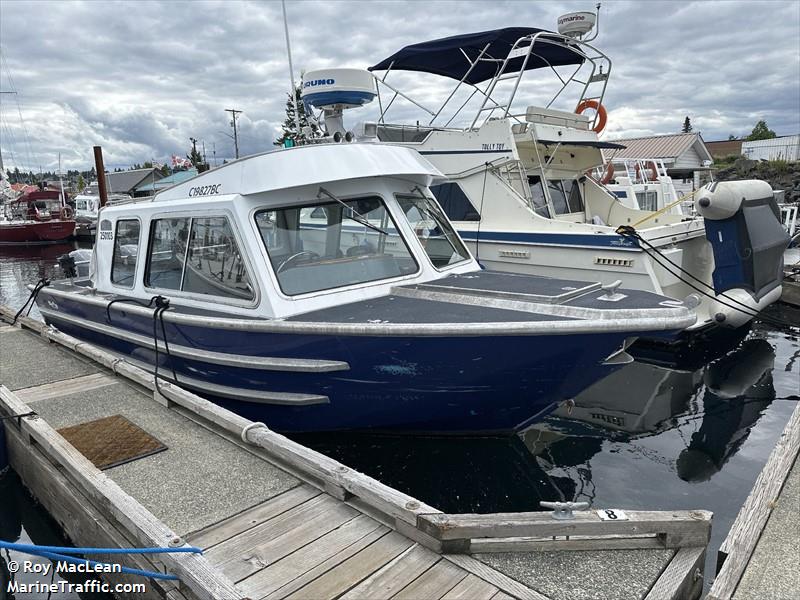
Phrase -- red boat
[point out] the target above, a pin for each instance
(35, 218)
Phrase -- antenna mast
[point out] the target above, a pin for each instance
(291, 69)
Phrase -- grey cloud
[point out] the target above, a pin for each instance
(140, 78)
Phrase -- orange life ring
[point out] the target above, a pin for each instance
(602, 116)
(650, 170)
(66, 213)
(608, 174)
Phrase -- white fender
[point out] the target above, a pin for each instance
(722, 199)
(727, 316)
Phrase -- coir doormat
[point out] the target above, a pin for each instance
(111, 441)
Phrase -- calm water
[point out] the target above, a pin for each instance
(647, 437)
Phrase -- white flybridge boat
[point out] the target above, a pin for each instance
(644, 184)
(518, 189)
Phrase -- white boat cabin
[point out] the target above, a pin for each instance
(283, 233)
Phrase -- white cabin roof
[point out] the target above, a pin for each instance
(316, 164)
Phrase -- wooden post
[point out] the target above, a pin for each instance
(101, 175)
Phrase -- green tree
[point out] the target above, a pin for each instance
(81, 183)
(289, 127)
(732, 137)
(197, 158)
(687, 125)
(761, 132)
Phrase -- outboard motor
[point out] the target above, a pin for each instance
(743, 225)
(67, 264)
(77, 263)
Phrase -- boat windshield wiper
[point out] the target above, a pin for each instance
(354, 215)
(432, 212)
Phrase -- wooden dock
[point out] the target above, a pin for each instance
(791, 278)
(760, 557)
(278, 520)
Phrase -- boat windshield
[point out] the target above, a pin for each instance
(433, 230)
(327, 245)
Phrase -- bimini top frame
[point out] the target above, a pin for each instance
(492, 57)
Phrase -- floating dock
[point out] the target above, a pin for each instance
(760, 557)
(791, 279)
(278, 520)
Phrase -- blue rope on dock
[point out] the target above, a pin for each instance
(25, 548)
(94, 563)
(61, 553)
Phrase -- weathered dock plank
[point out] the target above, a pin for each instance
(57, 389)
(355, 569)
(247, 519)
(737, 548)
(305, 560)
(503, 582)
(682, 577)
(774, 567)
(433, 583)
(243, 555)
(676, 528)
(394, 576)
(469, 588)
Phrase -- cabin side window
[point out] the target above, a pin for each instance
(126, 251)
(648, 200)
(214, 264)
(454, 202)
(434, 231)
(198, 256)
(537, 196)
(565, 194)
(168, 243)
(572, 191)
(327, 245)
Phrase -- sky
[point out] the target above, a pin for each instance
(141, 78)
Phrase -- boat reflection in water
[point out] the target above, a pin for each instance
(727, 397)
(738, 389)
(696, 419)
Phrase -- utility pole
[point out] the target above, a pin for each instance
(214, 152)
(234, 116)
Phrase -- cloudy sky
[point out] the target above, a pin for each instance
(140, 78)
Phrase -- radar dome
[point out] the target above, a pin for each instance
(344, 88)
(576, 24)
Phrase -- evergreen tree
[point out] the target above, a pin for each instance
(687, 125)
(289, 127)
(761, 132)
(81, 182)
(196, 158)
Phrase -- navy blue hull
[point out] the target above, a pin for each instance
(442, 384)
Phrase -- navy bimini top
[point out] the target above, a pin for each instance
(446, 56)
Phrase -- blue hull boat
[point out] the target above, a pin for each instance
(320, 328)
